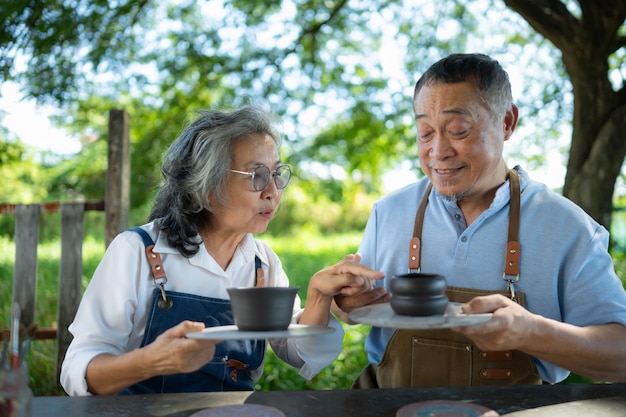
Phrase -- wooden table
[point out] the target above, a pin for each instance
(361, 403)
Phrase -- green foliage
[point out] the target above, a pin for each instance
(11, 152)
(339, 73)
(340, 374)
(304, 253)
(62, 37)
(81, 177)
(22, 177)
(321, 206)
(360, 141)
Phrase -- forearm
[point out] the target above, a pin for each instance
(109, 374)
(596, 352)
(316, 310)
(311, 354)
(347, 278)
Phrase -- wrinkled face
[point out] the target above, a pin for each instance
(248, 210)
(460, 141)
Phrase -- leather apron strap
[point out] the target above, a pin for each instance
(429, 358)
(512, 255)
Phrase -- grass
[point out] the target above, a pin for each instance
(43, 352)
(302, 256)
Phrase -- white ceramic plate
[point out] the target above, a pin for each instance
(382, 315)
(231, 332)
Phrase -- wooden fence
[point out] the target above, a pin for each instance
(27, 216)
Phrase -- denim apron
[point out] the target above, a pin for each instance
(442, 357)
(229, 370)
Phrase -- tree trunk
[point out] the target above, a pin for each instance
(599, 120)
(597, 151)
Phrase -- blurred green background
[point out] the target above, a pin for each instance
(302, 256)
(340, 76)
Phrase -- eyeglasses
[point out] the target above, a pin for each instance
(261, 176)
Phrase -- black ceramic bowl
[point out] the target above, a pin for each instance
(417, 284)
(419, 306)
(418, 294)
(262, 308)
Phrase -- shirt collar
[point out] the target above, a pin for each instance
(247, 249)
(503, 193)
(250, 248)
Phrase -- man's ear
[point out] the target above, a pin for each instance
(510, 121)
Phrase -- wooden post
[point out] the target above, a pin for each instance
(25, 270)
(70, 274)
(117, 194)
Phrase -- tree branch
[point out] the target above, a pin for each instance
(548, 17)
(314, 29)
(603, 16)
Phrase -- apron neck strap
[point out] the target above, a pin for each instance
(511, 267)
(258, 270)
(415, 245)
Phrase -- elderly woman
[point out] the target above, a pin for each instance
(223, 181)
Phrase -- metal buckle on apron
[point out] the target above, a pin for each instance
(156, 266)
(158, 273)
(165, 302)
(510, 287)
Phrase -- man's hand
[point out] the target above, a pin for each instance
(510, 327)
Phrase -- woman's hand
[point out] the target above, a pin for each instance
(346, 278)
(343, 304)
(170, 353)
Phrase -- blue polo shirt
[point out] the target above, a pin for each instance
(566, 271)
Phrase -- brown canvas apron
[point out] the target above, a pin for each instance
(441, 357)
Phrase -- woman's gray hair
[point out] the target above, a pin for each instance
(195, 167)
(491, 79)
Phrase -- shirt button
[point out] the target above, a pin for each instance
(464, 239)
(457, 216)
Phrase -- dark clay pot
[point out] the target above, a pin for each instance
(418, 284)
(418, 294)
(262, 308)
